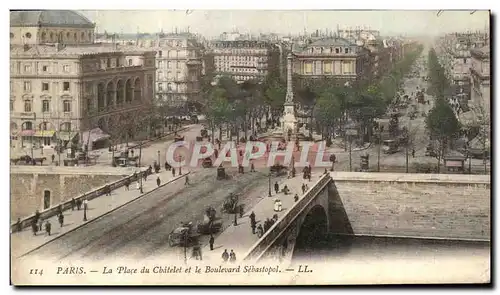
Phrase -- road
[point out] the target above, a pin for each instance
(140, 229)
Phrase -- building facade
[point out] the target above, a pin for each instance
(179, 64)
(60, 92)
(244, 60)
(335, 59)
(480, 80)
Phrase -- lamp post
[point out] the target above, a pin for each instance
(350, 131)
(158, 157)
(85, 210)
(140, 175)
(269, 194)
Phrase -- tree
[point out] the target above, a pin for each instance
(481, 122)
(327, 112)
(274, 95)
(443, 126)
(218, 110)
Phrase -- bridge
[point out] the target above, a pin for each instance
(452, 207)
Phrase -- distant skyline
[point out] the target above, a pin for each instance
(212, 23)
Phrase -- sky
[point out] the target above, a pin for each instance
(214, 22)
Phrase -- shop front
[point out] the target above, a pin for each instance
(45, 138)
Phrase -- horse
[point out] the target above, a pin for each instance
(36, 160)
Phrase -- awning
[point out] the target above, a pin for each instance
(45, 133)
(27, 133)
(66, 135)
(94, 135)
(454, 163)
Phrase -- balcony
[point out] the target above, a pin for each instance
(122, 69)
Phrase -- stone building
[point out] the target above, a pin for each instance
(179, 64)
(480, 79)
(244, 60)
(335, 59)
(68, 86)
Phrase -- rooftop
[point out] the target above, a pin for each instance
(49, 18)
(71, 50)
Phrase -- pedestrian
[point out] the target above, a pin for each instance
(241, 210)
(166, 166)
(108, 190)
(34, 227)
(173, 171)
(78, 204)
(127, 184)
(260, 231)
(253, 225)
(252, 217)
(276, 187)
(53, 158)
(158, 181)
(37, 216)
(303, 188)
(187, 180)
(18, 227)
(252, 167)
(307, 187)
(61, 219)
(232, 256)
(225, 255)
(413, 152)
(211, 242)
(145, 175)
(285, 189)
(296, 198)
(138, 186)
(73, 204)
(48, 227)
(59, 209)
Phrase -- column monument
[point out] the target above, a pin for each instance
(288, 121)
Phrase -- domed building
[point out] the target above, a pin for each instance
(65, 88)
(50, 26)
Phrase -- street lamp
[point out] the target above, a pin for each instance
(350, 131)
(85, 210)
(269, 194)
(158, 157)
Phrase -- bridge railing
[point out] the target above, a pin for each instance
(49, 212)
(268, 239)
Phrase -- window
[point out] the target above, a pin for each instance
(67, 35)
(66, 86)
(28, 35)
(108, 63)
(337, 50)
(27, 68)
(66, 68)
(82, 36)
(160, 87)
(327, 67)
(129, 62)
(45, 106)
(169, 64)
(66, 106)
(346, 50)
(45, 86)
(66, 126)
(178, 75)
(27, 86)
(308, 67)
(160, 64)
(51, 36)
(160, 53)
(44, 126)
(178, 65)
(74, 36)
(465, 60)
(45, 68)
(11, 35)
(27, 106)
(27, 126)
(11, 105)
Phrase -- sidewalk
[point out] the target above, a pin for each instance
(24, 241)
(240, 238)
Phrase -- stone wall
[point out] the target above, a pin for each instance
(27, 189)
(421, 209)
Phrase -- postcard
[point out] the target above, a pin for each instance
(207, 147)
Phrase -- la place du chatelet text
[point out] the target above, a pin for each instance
(222, 269)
